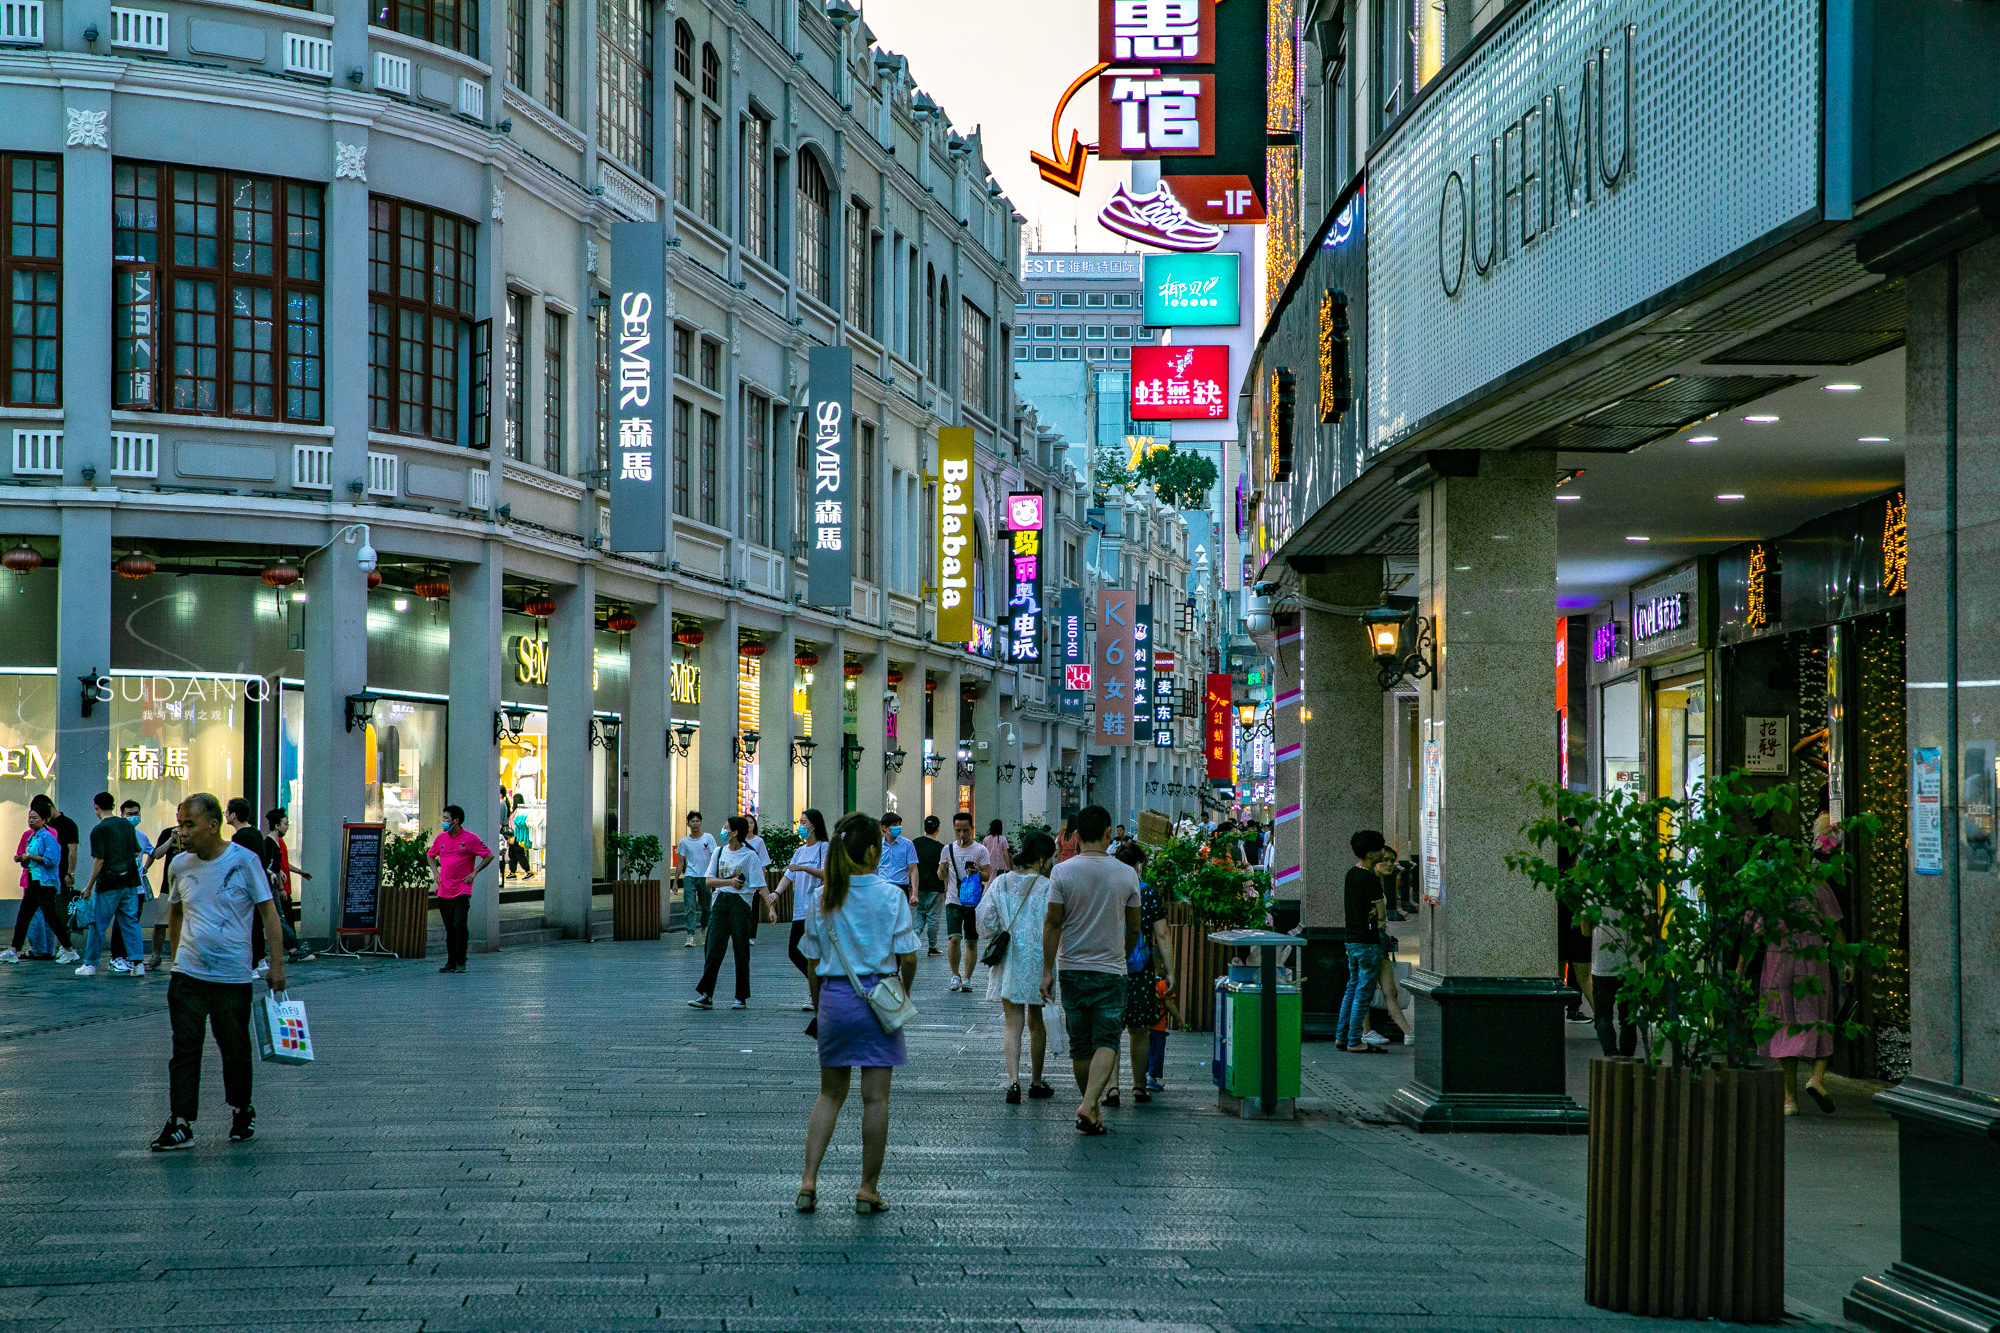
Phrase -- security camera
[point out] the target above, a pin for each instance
(892, 702)
(365, 557)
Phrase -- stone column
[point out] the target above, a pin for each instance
(472, 758)
(986, 761)
(774, 751)
(908, 782)
(642, 741)
(719, 704)
(1287, 734)
(1948, 1109)
(944, 744)
(871, 725)
(571, 794)
(825, 696)
(83, 648)
(1340, 773)
(1489, 1026)
(331, 756)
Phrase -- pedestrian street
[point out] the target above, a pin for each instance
(554, 1140)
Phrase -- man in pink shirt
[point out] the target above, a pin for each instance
(460, 857)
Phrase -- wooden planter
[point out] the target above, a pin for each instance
(1687, 1192)
(403, 920)
(1197, 963)
(635, 909)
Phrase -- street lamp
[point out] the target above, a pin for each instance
(932, 763)
(1386, 627)
(361, 708)
(744, 747)
(802, 751)
(679, 739)
(1006, 772)
(892, 762)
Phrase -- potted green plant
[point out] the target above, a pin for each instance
(1206, 889)
(635, 894)
(1687, 1147)
(403, 915)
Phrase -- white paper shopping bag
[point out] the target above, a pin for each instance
(280, 1027)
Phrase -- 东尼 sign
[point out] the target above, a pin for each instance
(1193, 290)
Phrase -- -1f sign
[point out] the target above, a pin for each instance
(954, 526)
(829, 567)
(639, 389)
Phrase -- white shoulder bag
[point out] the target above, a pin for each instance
(892, 1004)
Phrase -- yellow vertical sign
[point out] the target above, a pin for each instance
(954, 534)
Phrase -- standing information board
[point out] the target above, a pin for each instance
(360, 878)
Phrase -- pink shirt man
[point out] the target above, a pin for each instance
(457, 852)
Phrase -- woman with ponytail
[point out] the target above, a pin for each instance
(807, 870)
(860, 925)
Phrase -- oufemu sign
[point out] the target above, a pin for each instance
(829, 558)
(954, 526)
(639, 389)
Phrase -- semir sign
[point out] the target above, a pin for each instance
(955, 534)
(829, 573)
(1661, 615)
(638, 481)
(1535, 169)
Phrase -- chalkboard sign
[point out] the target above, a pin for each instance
(361, 878)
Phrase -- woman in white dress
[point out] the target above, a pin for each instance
(805, 874)
(1018, 903)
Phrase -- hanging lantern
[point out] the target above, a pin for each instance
(930, 686)
(689, 638)
(23, 559)
(895, 676)
(852, 669)
(433, 588)
(752, 649)
(805, 659)
(374, 579)
(137, 565)
(621, 621)
(541, 608)
(281, 574)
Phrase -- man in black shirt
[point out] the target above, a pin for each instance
(113, 889)
(929, 897)
(1364, 910)
(241, 821)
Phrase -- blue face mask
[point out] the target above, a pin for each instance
(805, 829)
(134, 819)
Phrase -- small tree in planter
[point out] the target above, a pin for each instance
(1218, 893)
(403, 917)
(1690, 1138)
(635, 894)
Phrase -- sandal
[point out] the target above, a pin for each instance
(1142, 1096)
(1013, 1094)
(1040, 1091)
(1825, 1102)
(1111, 1098)
(808, 1201)
(862, 1205)
(1091, 1127)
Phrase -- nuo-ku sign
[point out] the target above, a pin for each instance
(829, 564)
(638, 476)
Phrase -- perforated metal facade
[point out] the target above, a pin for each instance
(1724, 150)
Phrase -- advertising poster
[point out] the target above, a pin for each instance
(954, 534)
(638, 472)
(1767, 745)
(1024, 598)
(1216, 720)
(1142, 673)
(1193, 290)
(1180, 383)
(1117, 613)
(1926, 809)
(1433, 842)
(829, 567)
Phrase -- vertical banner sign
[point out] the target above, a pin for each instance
(1562, 701)
(1162, 721)
(1432, 850)
(1927, 810)
(829, 567)
(1215, 720)
(1142, 674)
(1116, 613)
(1075, 666)
(1024, 600)
(639, 474)
(954, 539)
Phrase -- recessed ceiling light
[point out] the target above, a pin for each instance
(402, 603)
(1762, 419)
(1701, 439)
(1729, 497)
(1638, 539)
(1563, 499)
(1873, 439)
(1841, 388)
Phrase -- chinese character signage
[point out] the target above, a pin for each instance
(1180, 383)
(1767, 745)
(1142, 674)
(954, 544)
(1161, 719)
(1117, 613)
(1024, 605)
(638, 472)
(1156, 32)
(829, 570)
(1155, 115)
(1193, 290)
(1076, 668)
(1216, 722)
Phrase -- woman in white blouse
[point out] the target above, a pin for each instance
(860, 930)
(1018, 903)
(807, 869)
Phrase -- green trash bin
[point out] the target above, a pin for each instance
(1241, 1027)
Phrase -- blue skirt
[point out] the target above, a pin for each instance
(848, 1032)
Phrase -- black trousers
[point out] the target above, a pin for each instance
(799, 960)
(225, 1009)
(46, 897)
(456, 912)
(1604, 992)
(728, 926)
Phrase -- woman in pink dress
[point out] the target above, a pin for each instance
(1783, 970)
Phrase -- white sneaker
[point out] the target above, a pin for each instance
(87, 970)
(690, 941)
(9, 956)
(740, 1004)
(138, 969)
(1373, 1038)
(120, 965)
(68, 956)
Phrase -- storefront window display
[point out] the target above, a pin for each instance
(403, 767)
(524, 790)
(28, 702)
(174, 734)
(1680, 735)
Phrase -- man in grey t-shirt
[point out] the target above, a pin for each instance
(215, 888)
(1092, 926)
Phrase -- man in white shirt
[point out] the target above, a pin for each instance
(1090, 931)
(695, 854)
(216, 888)
(964, 862)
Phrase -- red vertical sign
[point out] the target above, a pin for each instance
(1117, 610)
(1215, 725)
(1562, 701)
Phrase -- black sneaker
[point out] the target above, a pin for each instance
(701, 1002)
(937, 953)
(240, 1124)
(177, 1135)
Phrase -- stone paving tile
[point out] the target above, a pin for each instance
(554, 1141)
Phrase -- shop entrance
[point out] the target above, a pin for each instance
(1680, 735)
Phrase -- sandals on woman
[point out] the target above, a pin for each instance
(862, 1205)
(808, 1201)
(1085, 1125)
(1111, 1098)
(1824, 1102)
(1040, 1091)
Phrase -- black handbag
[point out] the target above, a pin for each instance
(996, 948)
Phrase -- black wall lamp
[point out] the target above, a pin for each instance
(744, 747)
(1387, 627)
(679, 739)
(93, 686)
(604, 732)
(1028, 775)
(892, 762)
(802, 751)
(508, 722)
(1006, 772)
(361, 708)
(932, 763)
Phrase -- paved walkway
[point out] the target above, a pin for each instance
(555, 1141)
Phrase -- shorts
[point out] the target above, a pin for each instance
(961, 921)
(1093, 1011)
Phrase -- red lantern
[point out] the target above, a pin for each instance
(22, 559)
(281, 574)
(541, 608)
(930, 686)
(374, 579)
(895, 676)
(689, 638)
(621, 622)
(137, 565)
(432, 588)
(852, 669)
(805, 659)
(752, 649)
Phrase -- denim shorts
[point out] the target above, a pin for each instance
(1093, 1011)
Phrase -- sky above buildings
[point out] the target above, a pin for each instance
(1001, 67)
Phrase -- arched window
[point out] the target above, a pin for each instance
(711, 73)
(711, 138)
(815, 201)
(684, 50)
(930, 321)
(941, 339)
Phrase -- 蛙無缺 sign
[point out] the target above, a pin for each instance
(829, 569)
(1180, 383)
(638, 475)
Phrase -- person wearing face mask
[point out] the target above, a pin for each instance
(805, 874)
(460, 857)
(899, 854)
